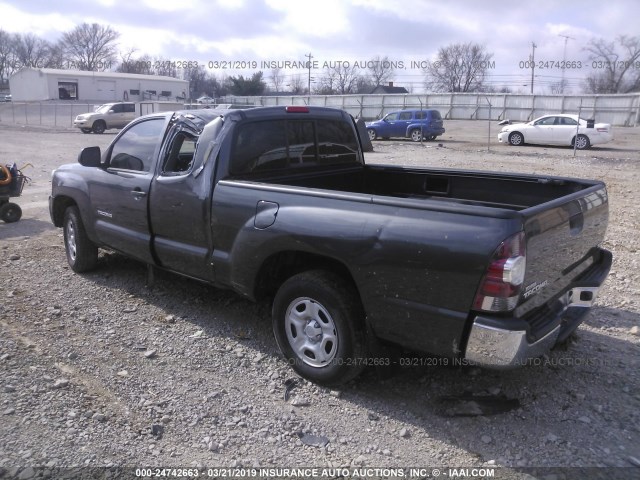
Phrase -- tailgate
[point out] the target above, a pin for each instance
(562, 236)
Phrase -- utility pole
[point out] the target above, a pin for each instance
(309, 65)
(533, 63)
(564, 59)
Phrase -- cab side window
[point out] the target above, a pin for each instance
(129, 108)
(117, 108)
(405, 116)
(135, 149)
(179, 157)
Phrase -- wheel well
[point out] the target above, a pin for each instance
(60, 204)
(276, 269)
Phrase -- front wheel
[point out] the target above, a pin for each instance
(82, 254)
(372, 134)
(318, 323)
(99, 127)
(516, 138)
(10, 212)
(85, 130)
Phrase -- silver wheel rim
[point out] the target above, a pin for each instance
(415, 136)
(372, 135)
(582, 142)
(516, 139)
(71, 241)
(311, 332)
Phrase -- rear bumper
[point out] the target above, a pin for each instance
(502, 343)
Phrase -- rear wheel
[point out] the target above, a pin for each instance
(372, 134)
(10, 212)
(99, 126)
(416, 135)
(583, 142)
(516, 138)
(318, 324)
(82, 254)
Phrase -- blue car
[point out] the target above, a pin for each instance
(414, 124)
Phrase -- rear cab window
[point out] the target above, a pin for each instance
(271, 145)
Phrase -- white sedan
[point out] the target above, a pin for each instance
(557, 130)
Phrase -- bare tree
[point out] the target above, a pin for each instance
(7, 60)
(165, 68)
(380, 70)
(340, 79)
(297, 85)
(460, 67)
(364, 84)
(197, 77)
(91, 47)
(130, 64)
(31, 50)
(616, 65)
(56, 55)
(277, 79)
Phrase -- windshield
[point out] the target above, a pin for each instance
(104, 108)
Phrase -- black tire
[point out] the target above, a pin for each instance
(85, 130)
(416, 135)
(583, 142)
(329, 323)
(516, 138)
(99, 126)
(372, 134)
(10, 212)
(82, 253)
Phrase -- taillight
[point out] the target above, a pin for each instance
(602, 129)
(500, 288)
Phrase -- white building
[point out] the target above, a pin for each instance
(37, 84)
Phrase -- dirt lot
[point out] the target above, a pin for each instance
(99, 370)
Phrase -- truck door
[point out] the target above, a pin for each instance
(119, 194)
(179, 206)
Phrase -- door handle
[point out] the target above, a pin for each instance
(138, 193)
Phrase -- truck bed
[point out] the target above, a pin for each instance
(482, 189)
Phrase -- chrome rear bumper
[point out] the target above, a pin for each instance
(501, 348)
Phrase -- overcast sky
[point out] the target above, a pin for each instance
(348, 31)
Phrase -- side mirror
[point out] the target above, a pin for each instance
(90, 157)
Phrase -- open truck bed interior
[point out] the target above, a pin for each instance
(512, 192)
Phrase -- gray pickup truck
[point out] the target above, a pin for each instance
(487, 268)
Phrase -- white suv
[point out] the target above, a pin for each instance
(109, 115)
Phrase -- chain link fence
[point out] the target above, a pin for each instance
(618, 110)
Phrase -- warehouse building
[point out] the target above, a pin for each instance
(38, 84)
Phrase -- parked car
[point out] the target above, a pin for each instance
(5, 97)
(414, 124)
(109, 115)
(557, 130)
(481, 267)
(206, 100)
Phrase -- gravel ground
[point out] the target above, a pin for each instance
(100, 370)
